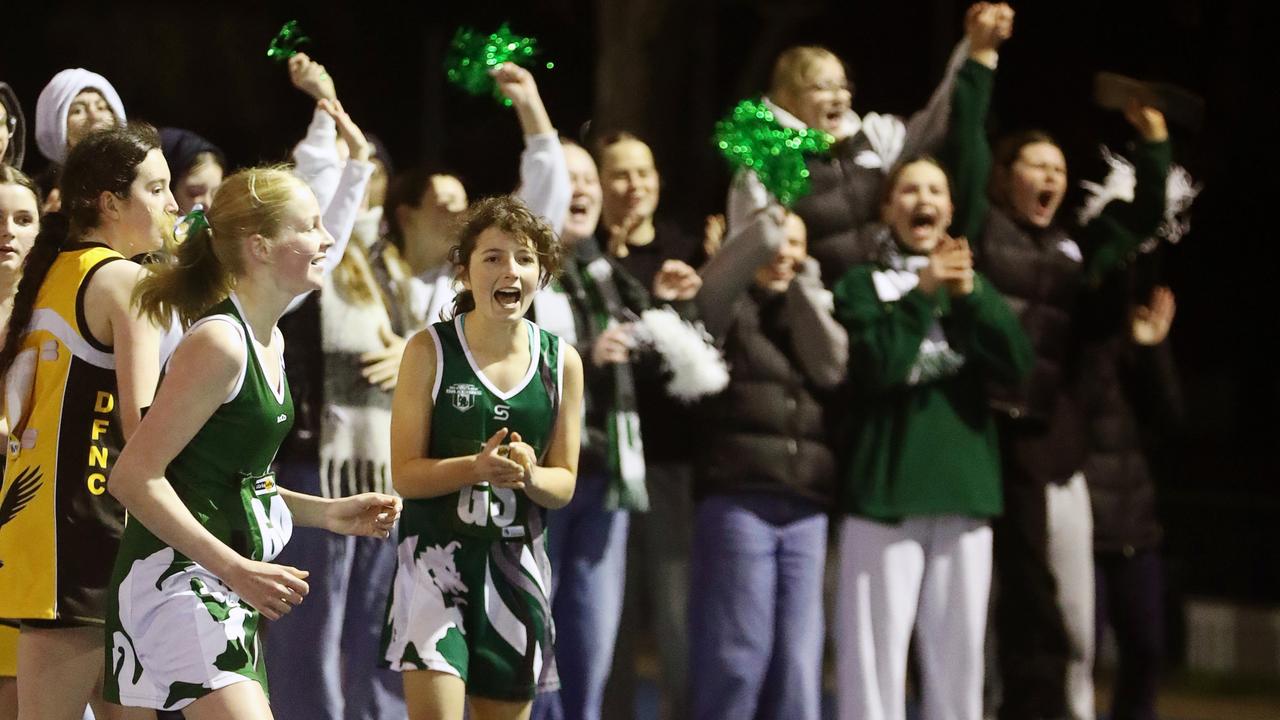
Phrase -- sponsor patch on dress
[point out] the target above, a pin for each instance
(265, 485)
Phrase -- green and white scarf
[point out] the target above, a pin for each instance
(626, 448)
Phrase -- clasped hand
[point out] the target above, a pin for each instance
(950, 266)
(507, 466)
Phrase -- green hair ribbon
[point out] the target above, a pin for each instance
(472, 55)
(285, 44)
(190, 224)
(751, 138)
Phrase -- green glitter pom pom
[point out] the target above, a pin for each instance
(285, 44)
(472, 55)
(751, 138)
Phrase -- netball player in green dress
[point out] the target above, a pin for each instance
(484, 437)
(194, 575)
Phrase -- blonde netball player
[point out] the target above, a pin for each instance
(194, 576)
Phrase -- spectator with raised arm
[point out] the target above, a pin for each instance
(339, 446)
(333, 158)
(1044, 611)
(811, 88)
(423, 204)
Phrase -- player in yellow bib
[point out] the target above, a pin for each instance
(78, 366)
(469, 615)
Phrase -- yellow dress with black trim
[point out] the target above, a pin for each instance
(59, 528)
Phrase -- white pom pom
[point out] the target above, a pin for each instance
(1119, 185)
(1180, 192)
(688, 353)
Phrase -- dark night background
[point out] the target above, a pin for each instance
(668, 69)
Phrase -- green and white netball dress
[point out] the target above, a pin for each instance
(175, 632)
(472, 590)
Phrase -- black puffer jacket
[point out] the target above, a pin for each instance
(1132, 400)
(844, 197)
(1126, 391)
(766, 431)
(1039, 273)
(1043, 273)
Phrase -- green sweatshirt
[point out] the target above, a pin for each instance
(966, 153)
(923, 441)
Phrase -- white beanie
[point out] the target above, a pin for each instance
(55, 101)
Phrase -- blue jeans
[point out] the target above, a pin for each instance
(755, 607)
(322, 657)
(588, 549)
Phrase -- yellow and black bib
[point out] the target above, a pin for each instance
(59, 528)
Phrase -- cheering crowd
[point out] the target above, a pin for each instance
(335, 429)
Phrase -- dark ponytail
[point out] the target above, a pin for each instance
(50, 241)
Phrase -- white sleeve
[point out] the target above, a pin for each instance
(340, 217)
(544, 179)
(316, 159)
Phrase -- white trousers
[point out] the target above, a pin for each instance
(932, 574)
(1070, 524)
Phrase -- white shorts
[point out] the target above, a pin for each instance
(178, 634)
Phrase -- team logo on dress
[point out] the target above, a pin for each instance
(464, 396)
(20, 493)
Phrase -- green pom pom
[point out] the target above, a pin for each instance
(751, 138)
(472, 55)
(285, 44)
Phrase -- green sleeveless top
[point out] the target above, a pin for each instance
(468, 409)
(223, 475)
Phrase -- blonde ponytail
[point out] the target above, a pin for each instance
(250, 202)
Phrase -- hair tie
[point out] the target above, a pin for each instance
(191, 224)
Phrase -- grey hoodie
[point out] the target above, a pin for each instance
(17, 149)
